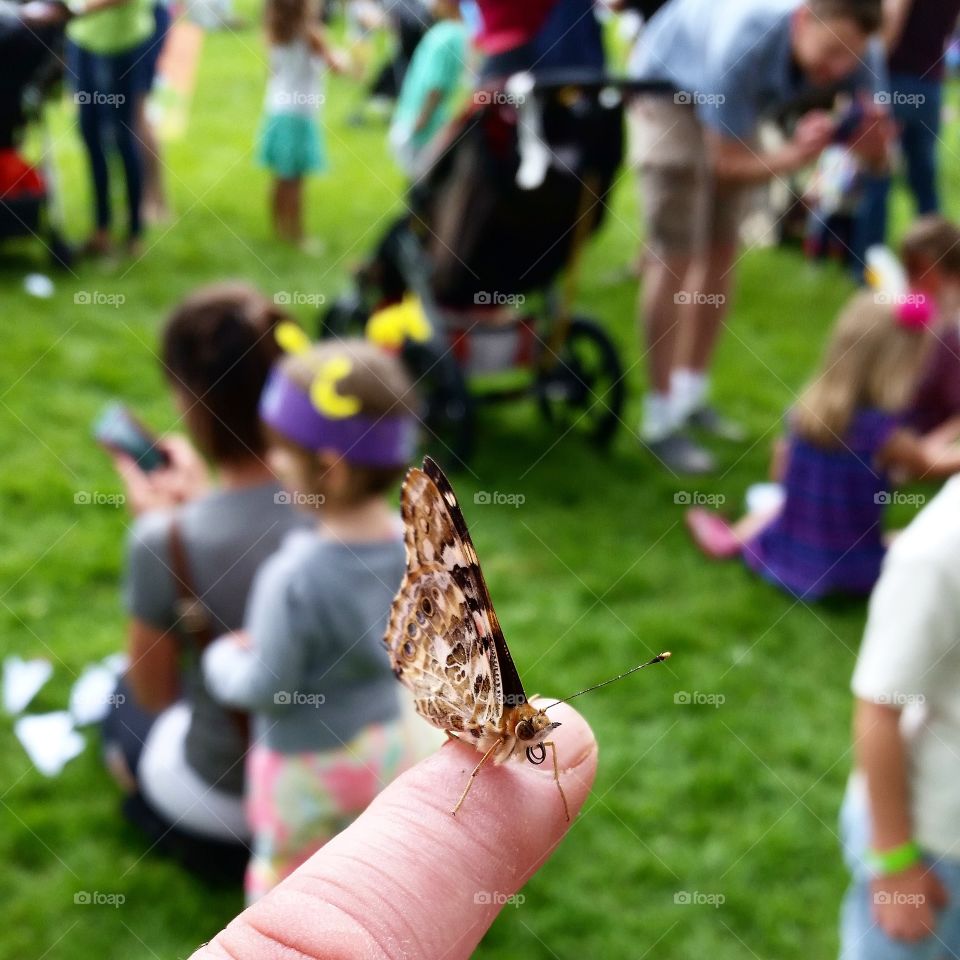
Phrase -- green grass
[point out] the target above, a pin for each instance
(592, 574)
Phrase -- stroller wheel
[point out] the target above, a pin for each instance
(449, 414)
(584, 389)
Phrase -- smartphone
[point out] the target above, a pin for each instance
(118, 430)
(849, 122)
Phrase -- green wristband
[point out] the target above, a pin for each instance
(895, 859)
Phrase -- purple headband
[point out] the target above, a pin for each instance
(362, 440)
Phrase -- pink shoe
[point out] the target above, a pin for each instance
(712, 534)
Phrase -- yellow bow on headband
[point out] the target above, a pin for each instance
(323, 389)
(392, 325)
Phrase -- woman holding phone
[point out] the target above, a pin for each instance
(191, 556)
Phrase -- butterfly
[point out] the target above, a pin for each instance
(445, 642)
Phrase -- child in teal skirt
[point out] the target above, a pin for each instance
(291, 141)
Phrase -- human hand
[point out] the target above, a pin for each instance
(407, 879)
(905, 903)
(41, 13)
(813, 132)
(184, 478)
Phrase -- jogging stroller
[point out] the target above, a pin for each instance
(31, 71)
(490, 246)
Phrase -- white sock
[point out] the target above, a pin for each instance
(688, 391)
(658, 418)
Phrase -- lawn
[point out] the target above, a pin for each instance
(720, 773)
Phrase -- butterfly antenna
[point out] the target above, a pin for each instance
(657, 659)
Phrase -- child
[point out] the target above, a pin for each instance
(430, 86)
(328, 730)
(845, 437)
(900, 823)
(930, 253)
(197, 546)
(291, 145)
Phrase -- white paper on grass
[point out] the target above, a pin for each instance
(50, 740)
(22, 681)
(93, 695)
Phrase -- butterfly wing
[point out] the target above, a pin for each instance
(444, 639)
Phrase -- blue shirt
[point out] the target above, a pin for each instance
(733, 60)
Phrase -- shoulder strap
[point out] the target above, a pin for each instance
(192, 616)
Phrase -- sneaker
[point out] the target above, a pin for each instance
(707, 419)
(712, 534)
(677, 452)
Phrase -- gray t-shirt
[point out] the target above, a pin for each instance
(226, 535)
(734, 61)
(317, 672)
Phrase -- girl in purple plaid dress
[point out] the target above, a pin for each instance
(845, 440)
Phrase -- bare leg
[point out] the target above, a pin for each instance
(288, 205)
(711, 277)
(749, 525)
(664, 281)
(476, 770)
(154, 193)
(276, 207)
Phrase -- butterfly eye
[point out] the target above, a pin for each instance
(427, 606)
(409, 650)
(524, 730)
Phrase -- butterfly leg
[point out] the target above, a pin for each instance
(463, 796)
(556, 778)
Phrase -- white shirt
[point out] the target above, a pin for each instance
(910, 657)
(296, 79)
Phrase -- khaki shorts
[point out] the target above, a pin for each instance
(685, 210)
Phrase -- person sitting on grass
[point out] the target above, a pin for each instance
(329, 731)
(430, 86)
(900, 821)
(845, 438)
(176, 751)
